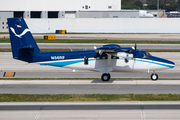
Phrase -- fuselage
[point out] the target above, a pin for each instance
(76, 60)
(145, 14)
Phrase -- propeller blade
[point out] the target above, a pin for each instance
(135, 46)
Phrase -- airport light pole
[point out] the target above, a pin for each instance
(157, 4)
(178, 5)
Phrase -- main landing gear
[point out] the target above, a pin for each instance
(105, 77)
(154, 76)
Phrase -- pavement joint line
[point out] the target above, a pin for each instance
(38, 114)
(3, 82)
(70, 82)
(142, 110)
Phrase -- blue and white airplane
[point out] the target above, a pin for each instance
(104, 59)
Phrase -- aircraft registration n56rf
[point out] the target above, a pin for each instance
(104, 59)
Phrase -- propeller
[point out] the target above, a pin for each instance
(135, 49)
(135, 46)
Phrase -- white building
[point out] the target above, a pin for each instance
(59, 5)
(51, 8)
(56, 8)
(46, 16)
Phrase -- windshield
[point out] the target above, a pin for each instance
(148, 54)
(145, 54)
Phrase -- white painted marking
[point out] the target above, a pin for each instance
(23, 33)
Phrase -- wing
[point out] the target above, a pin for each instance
(113, 50)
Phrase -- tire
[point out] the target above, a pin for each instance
(109, 76)
(154, 77)
(105, 77)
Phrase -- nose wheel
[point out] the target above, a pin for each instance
(154, 77)
(105, 77)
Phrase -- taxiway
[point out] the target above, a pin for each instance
(89, 87)
(138, 110)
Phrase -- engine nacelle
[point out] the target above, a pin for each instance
(123, 55)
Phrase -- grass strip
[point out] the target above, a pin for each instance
(4, 32)
(106, 41)
(85, 97)
(53, 50)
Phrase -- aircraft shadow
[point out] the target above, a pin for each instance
(100, 81)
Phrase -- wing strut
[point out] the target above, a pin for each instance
(109, 60)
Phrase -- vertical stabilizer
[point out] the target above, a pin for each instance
(23, 44)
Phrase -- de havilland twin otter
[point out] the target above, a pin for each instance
(105, 59)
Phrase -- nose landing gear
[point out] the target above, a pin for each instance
(154, 77)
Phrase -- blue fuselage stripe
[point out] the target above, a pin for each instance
(70, 62)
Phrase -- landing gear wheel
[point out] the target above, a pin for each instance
(109, 76)
(154, 77)
(105, 77)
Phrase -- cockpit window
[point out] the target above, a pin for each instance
(145, 54)
(142, 54)
(148, 54)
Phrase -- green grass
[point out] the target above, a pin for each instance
(4, 32)
(105, 41)
(5, 50)
(4, 40)
(84, 97)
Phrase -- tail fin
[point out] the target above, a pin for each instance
(23, 44)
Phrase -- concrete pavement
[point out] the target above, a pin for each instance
(137, 110)
(89, 87)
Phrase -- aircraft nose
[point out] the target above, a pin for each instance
(173, 64)
(168, 63)
(163, 62)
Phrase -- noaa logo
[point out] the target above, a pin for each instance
(127, 55)
(23, 33)
(57, 57)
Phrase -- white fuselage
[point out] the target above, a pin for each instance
(145, 14)
(137, 64)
